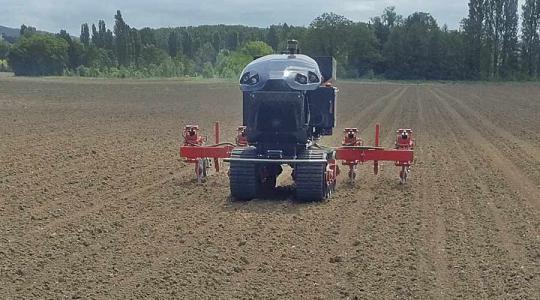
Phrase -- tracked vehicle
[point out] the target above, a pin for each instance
(289, 104)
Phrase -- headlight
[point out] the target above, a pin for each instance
(245, 78)
(249, 79)
(313, 78)
(302, 79)
(254, 79)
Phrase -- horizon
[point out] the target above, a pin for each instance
(172, 14)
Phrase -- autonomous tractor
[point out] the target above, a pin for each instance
(289, 104)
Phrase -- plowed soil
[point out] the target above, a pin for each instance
(96, 203)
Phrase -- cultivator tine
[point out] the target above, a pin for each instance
(404, 174)
(353, 152)
(200, 155)
(404, 141)
(351, 139)
(199, 170)
(352, 173)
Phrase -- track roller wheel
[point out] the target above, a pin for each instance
(310, 179)
(244, 176)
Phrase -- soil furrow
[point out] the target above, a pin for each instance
(512, 263)
(523, 154)
(126, 222)
(519, 182)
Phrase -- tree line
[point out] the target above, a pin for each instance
(487, 46)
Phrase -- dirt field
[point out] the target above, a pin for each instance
(95, 202)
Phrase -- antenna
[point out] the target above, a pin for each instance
(292, 46)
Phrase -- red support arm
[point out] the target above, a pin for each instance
(217, 134)
(363, 155)
(342, 153)
(351, 153)
(194, 152)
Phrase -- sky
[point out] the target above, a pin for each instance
(52, 16)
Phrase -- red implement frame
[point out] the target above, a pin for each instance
(216, 152)
(351, 153)
(363, 154)
(194, 150)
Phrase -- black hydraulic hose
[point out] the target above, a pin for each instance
(221, 144)
(348, 147)
(216, 145)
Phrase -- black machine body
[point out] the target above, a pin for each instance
(288, 102)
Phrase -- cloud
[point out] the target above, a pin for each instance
(69, 14)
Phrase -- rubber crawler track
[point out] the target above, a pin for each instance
(310, 178)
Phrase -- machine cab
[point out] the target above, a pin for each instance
(285, 100)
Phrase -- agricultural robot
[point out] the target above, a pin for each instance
(289, 103)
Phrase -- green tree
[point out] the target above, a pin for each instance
(151, 55)
(109, 40)
(530, 37)
(95, 37)
(4, 67)
(414, 49)
(102, 31)
(75, 50)
(136, 45)
(493, 30)
(85, 34)
(364, 52)
(272, 38)
(474, 28)
(4, 49)
(216, 41)
(27, 30)
(208, 70)
(232, 41)
(285, 35)
(207, 54)
(382, 26)
(122, 40)
(174, 43)
(486, 47)
(453, 53)
(39, 54)
(256, 49)
(187, 44)
(380, 30)
(99, 58)
(509, 54)
(326, 35)
(391, 18)
(230, 64)
(148, 36)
